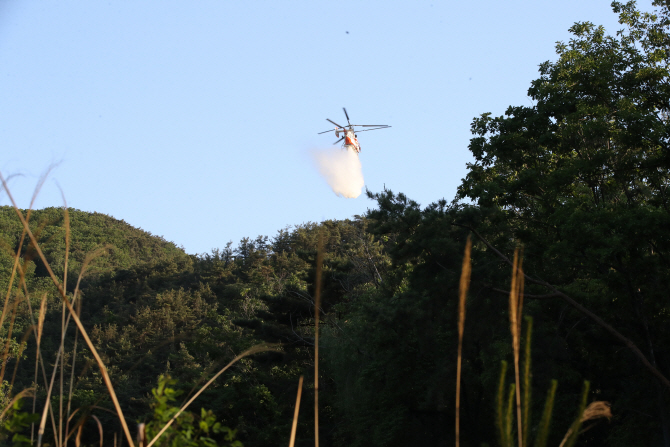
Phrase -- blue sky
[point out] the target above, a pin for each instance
(194, 120)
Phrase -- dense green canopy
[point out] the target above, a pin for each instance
(579, 180)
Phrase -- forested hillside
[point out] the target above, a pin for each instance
(578, 181)
(151, 309)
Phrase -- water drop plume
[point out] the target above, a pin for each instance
(341, 169)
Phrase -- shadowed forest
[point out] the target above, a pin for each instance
(578, 183)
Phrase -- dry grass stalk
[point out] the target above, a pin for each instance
(65, 325)
(84, 333)
(47, 404)
(77, 439)
(38, 341)
(141, 434)
(39, 360)
(82, 420)
(97, 421)
(250, 351)
(69, 433)
(66, 217)
(61, 352)
(515, 308)
(74, 358)
(463, 291)
(294, 427)
(317, 306)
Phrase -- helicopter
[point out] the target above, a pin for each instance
(349, 133)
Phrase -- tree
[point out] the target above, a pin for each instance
(581, 180)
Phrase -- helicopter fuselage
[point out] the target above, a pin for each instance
(350, 141)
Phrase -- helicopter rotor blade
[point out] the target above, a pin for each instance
(346, 114)
(334, 123)
(371, 125)
(338, 141)
(366, 130)
(326, 131)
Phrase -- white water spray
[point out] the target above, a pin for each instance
(341, 169)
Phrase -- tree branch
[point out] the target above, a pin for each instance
(525, 295)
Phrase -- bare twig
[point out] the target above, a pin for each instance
(525, 295)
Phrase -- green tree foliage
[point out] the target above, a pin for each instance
(152, 310)
(16, 425)
(187, 430)
(392, 353)
(581, 179)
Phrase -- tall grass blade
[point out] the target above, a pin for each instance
(294, 427)
(545, 422)
(500, 399)
(573, 432)
(509, 416)
(526, 379)
(463, 291)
